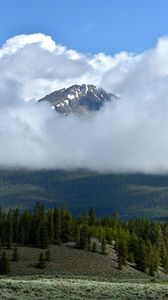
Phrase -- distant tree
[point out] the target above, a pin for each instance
(27, 228)
(91, 217)
(142, 257)
(56, 226)
(123, 250)
(164, 255)
(116, 216)
(131, 258)
(103, 247)
(156, 257)
(2, 228)
(38, 226)
(16, 216)
(94, 247)
(43, 237)
(77, 235)
(84, 233)
(4, 264)
(66, 225)
(48, 255)
(156, 233)
(133, 247)
(120, 264)
(41, 263)
(9, 228)
(15, 255)
(50, 225)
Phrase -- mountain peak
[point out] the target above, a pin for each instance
(78, 99)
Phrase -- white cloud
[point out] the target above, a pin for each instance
(130, 137)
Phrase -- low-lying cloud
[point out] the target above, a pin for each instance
(131, 136)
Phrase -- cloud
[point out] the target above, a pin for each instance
(130, 137)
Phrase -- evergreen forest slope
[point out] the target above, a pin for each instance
(132, 195)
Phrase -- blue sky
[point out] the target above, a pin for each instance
(88, 26)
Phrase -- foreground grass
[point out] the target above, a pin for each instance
(68, 288)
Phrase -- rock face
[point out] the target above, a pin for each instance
(78, 99)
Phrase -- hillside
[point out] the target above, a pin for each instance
(76, 274)
(68, 261)
(131, 195)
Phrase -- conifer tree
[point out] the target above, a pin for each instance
(26, 236)
(43, 237)
(41, 263)
(103, 247)
(142, 257)
(2, 226)
(77, 235)
(48, 255)
(91, 217)
(120, 263)
(122, 250)
(56, 226)
(15, 255)
(94, 247)
(49, 225)
(164, 255)
(9, 227)
(16, 226)
(66, 225)
(84, 233)
(4, 264)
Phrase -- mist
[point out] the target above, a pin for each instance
(128, 137)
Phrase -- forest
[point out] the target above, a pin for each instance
(140, 241)
(132, 195)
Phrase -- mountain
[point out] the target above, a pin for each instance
(132, 195)
(79, 99)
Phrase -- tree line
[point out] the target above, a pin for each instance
(142, 242)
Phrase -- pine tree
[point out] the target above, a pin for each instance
(91, 217)
(50, 225)
(133, 247)
(142, 257)
(120, 264)
(2, 227)
(122, 250)
(131, 258)
(94, 247)
(16, 226)
(48, 255)
(66, 225)
(9, 226)
(164, 255)
(41, 263)
(77, 235)
(84, 233)
(4, 264)
(15, 256)
(156, 256)
(43, 237)
(25, 235)
(56, 226)
(103, 247)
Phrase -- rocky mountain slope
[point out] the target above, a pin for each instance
(79, 99)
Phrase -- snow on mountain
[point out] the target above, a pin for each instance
(79, 99)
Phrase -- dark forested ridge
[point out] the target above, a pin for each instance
(140, 242)
(132, 195)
